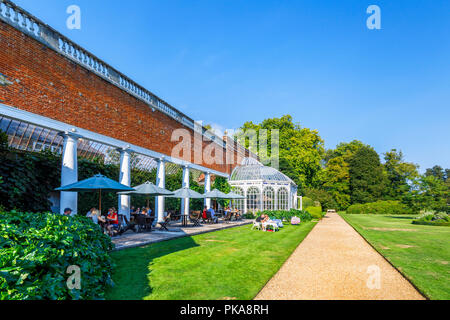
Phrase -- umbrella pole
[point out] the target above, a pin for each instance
(148, 202)
(100, 200)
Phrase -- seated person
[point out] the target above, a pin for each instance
(68, 212)
(144, 212)
(113, 220)
(260, 218)
(213, 215)
(204, 215)
(94, 214)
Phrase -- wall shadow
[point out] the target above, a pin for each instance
(131, 277)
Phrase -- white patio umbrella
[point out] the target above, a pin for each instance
(186, 193)
(148, 189)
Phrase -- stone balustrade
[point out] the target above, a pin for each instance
(32, 26)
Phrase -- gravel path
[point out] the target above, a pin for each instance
(335, 263)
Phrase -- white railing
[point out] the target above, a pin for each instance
(32, 26)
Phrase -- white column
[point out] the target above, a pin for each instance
(275, 205)
(301, 202)
(125, 178)
(185, 201)
(261, 204)
(295, 199)
(69, 172)
(207, 189)
(160, 182)
(245, 200)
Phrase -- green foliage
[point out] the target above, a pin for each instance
(221, 184)
(367, 178)
(433, 219)
(431, 193)
(316, 212)
(28, 179)
(37, 248)
(287, 215)
(321, 196)
(307, 202)
(400, 175)
(390, 207)
(300, 149)
(335, 177)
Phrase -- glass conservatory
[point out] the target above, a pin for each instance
(265, 188)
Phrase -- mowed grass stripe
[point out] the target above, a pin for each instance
(421, 253)
(234, 263)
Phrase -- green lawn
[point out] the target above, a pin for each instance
(421, 253)
(234, 263)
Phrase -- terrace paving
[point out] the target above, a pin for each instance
(131, 239)
(335, 263)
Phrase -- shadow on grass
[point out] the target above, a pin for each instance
(133, 267)
(402, 217)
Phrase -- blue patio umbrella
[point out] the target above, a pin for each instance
(96, 183)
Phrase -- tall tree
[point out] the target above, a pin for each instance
(300, 149)
(367, 178)
(336, 174)
(400, 175)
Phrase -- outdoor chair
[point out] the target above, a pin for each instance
(227, 218)
(195, 218)
(163, 225)
(125, 225)
(256, 225)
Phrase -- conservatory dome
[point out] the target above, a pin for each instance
(264, 188)
(251, 169)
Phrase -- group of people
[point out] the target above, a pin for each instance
(212, 214)
(233, 212)
(264, 221)
(146, 211)
(110, 221)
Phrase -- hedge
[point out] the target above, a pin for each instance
(380, 207)
(432, 223)
(307, 202)
(316, 212)
(287, 215)
(36, 250)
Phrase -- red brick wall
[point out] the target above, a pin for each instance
(48, 84)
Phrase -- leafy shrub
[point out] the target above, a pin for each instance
(36, 250)
(249, 215)
(316, 212)
(380, 207)
(321, 198)
(433, 218)
(307, 202)
(287, 215)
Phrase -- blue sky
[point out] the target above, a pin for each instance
(227, 62)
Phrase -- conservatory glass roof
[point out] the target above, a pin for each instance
(251, 169)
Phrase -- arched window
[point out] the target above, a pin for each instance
(268, 198)
(282, 199)
(238, 203)
(253, 199)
